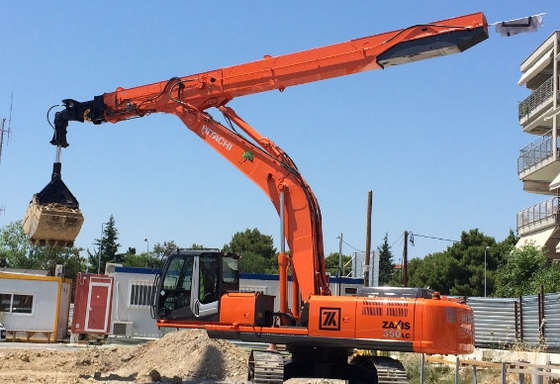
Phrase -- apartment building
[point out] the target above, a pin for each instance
(538, 165)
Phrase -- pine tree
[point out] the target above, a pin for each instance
(386, 265)
(107, 248)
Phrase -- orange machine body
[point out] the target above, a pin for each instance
(422, 325)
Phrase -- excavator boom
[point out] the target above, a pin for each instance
(216, 88)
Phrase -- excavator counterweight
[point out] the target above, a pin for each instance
(53, 216)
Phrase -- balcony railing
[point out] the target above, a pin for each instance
(539, 214)
(537, 97)
(535, 152)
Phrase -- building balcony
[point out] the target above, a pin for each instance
(538, 217)
(532, 111)
(539, 225)
(537, 167)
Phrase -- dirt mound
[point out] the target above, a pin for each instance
(187, 354)
(180, 356)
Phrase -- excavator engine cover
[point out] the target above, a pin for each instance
(53, 216)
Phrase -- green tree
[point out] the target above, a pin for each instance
(460, 269)
(17, 252)
(386, 265)
(165, 249)
(524, 268)
(331, 263)
(107, 248)
(15, 249)
(257, 251)
(548, 278)
(436, 271)
(70, 258)
(468, 279)
(142, 260)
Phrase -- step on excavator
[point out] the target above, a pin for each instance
(200, 289)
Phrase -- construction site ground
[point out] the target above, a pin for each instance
(186, 356)
(179, 357)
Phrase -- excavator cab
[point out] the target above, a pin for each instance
(53, 216)
(191, 284)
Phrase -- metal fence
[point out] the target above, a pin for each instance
(535, 152)
(541, 213)
(529, 321)
(537, 98)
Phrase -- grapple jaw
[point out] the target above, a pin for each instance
(53, 216)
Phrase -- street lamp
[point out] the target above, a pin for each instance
(147, 245)
(485, 249)
(100, 248)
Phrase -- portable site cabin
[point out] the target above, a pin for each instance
(114, 304)
(35, 306)
(132, 294)
(92, 304)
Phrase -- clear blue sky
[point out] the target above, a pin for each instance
(436, 141)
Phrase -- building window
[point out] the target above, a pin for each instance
(141, 294)
(350, 291)
(254, 288)
(14, 303)
(5, 302)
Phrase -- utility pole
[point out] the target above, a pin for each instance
(368, 241)
(405, 260)
(340, 256)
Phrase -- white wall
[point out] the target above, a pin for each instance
(45, 295)
(123, 310)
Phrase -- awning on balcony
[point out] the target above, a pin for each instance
(538, 239)
(541, 64)
(554, 184)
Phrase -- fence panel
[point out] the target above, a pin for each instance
(530, 321)
(494, 321)
(501, 322)
(552, 321)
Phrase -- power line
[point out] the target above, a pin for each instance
(412, 235)
(351, 246)
(398, 240)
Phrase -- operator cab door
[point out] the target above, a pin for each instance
(192, 283)
(205, 289)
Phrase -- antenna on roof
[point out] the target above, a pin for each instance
(7, 131)
(4, 130)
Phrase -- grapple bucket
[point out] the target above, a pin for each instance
(53, 216)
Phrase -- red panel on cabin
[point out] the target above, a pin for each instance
(92, 304)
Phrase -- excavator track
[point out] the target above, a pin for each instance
(266, 367)
(389, 371)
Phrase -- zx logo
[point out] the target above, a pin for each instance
(403, 325)
(329, 318)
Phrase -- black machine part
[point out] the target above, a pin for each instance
(56, 191)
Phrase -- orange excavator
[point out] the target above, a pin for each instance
(200, 288)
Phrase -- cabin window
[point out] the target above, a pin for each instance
(141, 294)
(230, 269)
(16, 303)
